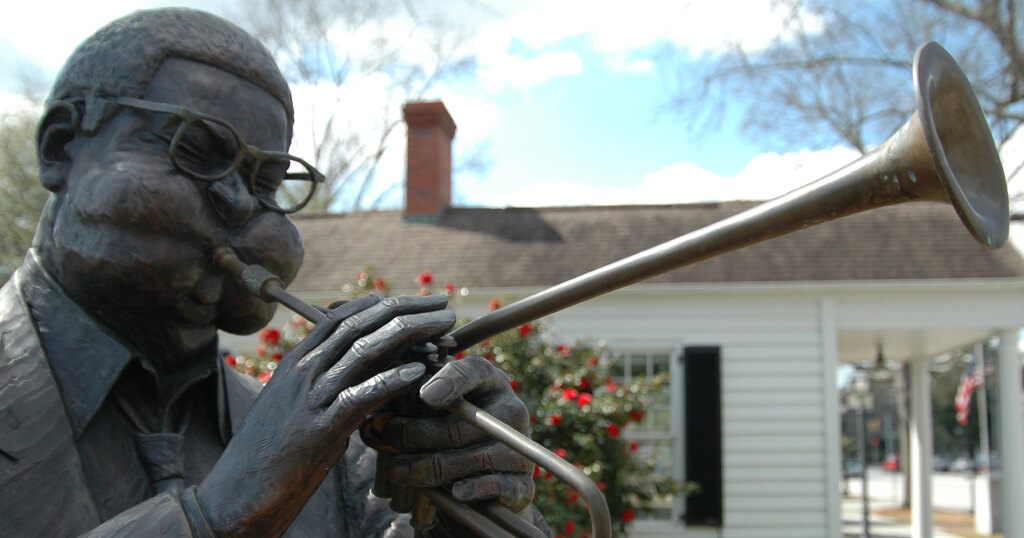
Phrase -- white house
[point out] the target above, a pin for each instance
(752, 339)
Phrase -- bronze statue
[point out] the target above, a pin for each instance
(164, 139)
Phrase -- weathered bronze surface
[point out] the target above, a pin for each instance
(162, 141)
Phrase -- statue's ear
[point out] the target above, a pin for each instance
(56, 130)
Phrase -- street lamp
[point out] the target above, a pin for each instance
(863, 401)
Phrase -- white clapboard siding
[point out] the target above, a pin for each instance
(773, 421)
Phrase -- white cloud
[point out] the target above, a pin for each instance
(617, 29)
(525, 73)
(766, 176)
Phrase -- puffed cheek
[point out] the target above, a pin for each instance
(271, 240)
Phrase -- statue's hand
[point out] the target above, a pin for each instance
(450, 453)
(323, 389)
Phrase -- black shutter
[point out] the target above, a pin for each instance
(702, 400)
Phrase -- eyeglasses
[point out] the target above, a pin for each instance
(280, 181)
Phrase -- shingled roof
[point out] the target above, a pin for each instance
(513, 247)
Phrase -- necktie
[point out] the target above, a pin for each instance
(161, 451)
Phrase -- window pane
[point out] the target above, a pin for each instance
(659, 363)
(638, 365)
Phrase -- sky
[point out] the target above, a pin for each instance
(565, 103)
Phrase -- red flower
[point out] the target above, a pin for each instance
(584, 383)
(515, 385)
(564, 350)
(449, 289)
(231, 360)
(261, 351)
(602, 486)
(593, 361)
(633, 446)
(494, 304)
(460, 354)
(585, 399)
(362, 276)
(270, 337)
(561, 453)
(424, 278)
(570, 527)
(611, 387)
(555, 419)
(613, 431)
(572, 496)
(636, 415)
(265, 376)
(276, 357)
(570, 394)
(380, 284)
(525, 330)
(628, 515)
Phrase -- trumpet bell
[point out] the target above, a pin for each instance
(960, 145)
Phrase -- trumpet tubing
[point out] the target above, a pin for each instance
(944, 153)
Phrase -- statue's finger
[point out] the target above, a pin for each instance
(325, 328)
(368, 319)
(459, 378)
(378, 350)
(443, 468)
(423, 434)
(514, 491)
(366, 397)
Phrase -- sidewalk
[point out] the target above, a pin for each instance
(879, 526)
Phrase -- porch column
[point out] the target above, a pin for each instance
(1011, 445)
(920, 468)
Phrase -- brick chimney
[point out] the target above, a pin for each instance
(428, 164)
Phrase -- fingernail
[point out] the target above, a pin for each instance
(411, 371)
(437, 391)
(461, 491)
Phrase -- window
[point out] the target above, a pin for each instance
(655, 440)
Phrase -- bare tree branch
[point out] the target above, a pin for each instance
(372, 56)
(838, 70)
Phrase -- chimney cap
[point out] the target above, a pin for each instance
(429, 114)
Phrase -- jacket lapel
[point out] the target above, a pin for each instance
(42, 488)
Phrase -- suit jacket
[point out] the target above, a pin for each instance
(43, 491)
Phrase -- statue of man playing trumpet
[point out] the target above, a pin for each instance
(164, 138)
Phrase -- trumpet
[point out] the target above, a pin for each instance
(944, 153)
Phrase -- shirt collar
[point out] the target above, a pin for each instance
(85, 358)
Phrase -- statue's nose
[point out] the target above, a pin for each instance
(231, 200)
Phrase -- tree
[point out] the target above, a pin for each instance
(21, 195)
(839, 71)
(352, 64)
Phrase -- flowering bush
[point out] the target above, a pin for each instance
(581, 413)
(273, 344)
(577, 408)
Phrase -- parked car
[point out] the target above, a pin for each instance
(891, 463)
(961, 464)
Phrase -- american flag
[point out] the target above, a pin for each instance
(971, 379)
